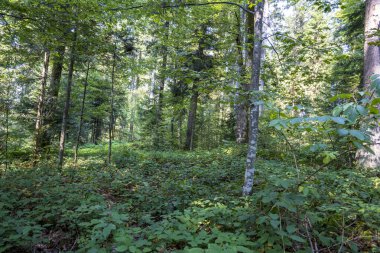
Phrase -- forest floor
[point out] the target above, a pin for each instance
(176, 201)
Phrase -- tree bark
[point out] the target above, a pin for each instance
(160, 103)
(111, 112)
(189, 144)
(7, 109)
(50, 109)
(371, 52)
(65, 116)
(254, 108)
(371, 66)
(40, 106)
(81, 114)
(241, 106)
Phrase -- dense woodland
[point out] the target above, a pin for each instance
(189, 126)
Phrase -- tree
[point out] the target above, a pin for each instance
(66, 108)
(371, 67)
(41, 101)
(253, 99)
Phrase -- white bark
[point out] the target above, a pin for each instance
(254, 108)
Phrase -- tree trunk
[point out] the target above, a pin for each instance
(65, 116)
(189, 144)
(81, 115)
(250, 33)
(181, 114)
(160, 104)
(241, 106)
(254, 108)
(40, 106)
(371, 66)
(7, 109)
(111, 112)
(371, 52)
(50, 109)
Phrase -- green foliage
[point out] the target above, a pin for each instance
(342, 132)
(186, 202)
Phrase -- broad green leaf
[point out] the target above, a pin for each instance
(291, 229)
(107, 230)
(358, 135)
(122, 248)
(338, 120)
(343, 132)
(297, 238)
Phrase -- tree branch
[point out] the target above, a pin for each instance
(186, 5)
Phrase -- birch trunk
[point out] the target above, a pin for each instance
(65, 115)
(371, 66)
(254, 108)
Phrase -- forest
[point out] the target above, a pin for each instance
(189, 126)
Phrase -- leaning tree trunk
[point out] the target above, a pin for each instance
(189, 144)
(371, 66)
(76, 148)
(40, 106)
(253, 106)
(65, 116)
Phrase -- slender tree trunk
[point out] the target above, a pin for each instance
(189, 144)
(371, 66)
(160, 103)
(250, 33)
(180, 128)
(52, 96)
(111, 113)
(7, 109)
(241, 106)
(40, 106)
(65, 116)
(254, 108)
(81, 115)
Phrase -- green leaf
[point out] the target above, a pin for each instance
(122, 248)
(107, 230)
(326, 159)
(358, 135)
(297, 238)
(375, 101)
(291, 229)
(213, 248)
(132, 249)
(273, 216)
(243, 249)
(337, 110)
(343, 132)
(195, 250)
(338, 120)
(275, 223)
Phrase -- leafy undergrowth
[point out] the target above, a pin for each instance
(186, 202)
